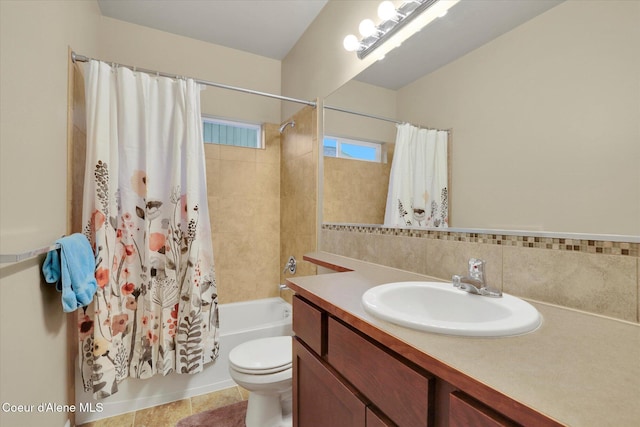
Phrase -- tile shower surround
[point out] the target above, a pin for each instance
(597, 276)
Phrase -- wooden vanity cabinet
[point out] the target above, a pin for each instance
(344, 378)
(341, 378)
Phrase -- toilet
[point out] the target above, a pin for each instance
(264, 367)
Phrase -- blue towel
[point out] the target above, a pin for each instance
(72, 269)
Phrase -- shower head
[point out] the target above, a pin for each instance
(284, 126)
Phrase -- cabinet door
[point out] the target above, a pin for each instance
(320, 399)
(465, 411)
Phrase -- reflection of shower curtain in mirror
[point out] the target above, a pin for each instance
(418, 194)
(145, 212)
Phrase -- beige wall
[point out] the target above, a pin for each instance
(158, 50)
(545, 122)
(365, 98)
(34, 42)
(317, 65)
(34, 39)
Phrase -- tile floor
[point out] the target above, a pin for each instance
(169, 414)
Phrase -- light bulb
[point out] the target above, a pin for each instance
(351, 43)
(367, 28)
(386, 10)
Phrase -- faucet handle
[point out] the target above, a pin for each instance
(456, 280)
(476, 268)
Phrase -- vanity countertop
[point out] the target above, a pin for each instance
(577, 368)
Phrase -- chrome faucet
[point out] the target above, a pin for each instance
(475, 282)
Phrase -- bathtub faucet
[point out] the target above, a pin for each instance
(290, 266)
(475, 282)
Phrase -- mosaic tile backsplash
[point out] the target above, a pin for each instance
(542, 242)
(590, 273)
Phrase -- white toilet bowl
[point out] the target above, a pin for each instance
(263, 367)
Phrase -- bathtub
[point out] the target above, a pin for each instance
(239, 322)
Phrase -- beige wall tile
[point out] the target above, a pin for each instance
(287, 179)
(328, 239)
(267, 213)
(79, 149)
(302, 245)
(213, 176)
(298, 191)
(268, 178)
(233, 214)
(212, 151)
(237, 178)
(594, 282)
(288, 213)
(355, 191)
(446, 258)
(242, 154)
(266, 262)
(305, 214)
(405, 253)
(304, 144)
(247, 265)
(271, 151)
(79, 117)
(361, 246)
(244, 206)
(603, 284)
(235, 285)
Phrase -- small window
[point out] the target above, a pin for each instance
(227, 132)
(352, 149)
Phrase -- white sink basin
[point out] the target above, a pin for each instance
(441, 308)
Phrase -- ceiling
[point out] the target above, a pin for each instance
(271, 28)
(265, 27)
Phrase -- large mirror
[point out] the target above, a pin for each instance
(543, 99)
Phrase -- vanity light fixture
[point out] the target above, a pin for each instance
(394, 26)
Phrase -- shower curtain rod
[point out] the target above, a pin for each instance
(372, 116)
(81, 58)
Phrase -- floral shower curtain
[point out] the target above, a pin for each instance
(418, 195)
(145, 212)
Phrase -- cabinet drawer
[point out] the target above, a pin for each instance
(400, 392)
(308, 324)
(465, 411)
